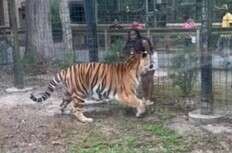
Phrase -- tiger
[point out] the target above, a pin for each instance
(117, 81)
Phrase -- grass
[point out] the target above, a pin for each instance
(133, 136)
(140, 136)
(171, 142)
(162, 140)
(124, 145)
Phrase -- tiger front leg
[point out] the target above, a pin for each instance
(140, 110)
(135, 102)
(78, 105)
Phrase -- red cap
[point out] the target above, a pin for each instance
(136, 26)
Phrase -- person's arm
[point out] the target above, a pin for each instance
(148, 45)
(154, 55)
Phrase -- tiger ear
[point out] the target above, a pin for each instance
(144, 54)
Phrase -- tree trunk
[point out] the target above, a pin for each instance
(39, 40)
(66, 28)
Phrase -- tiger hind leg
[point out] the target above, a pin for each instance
(64, 105)
(133, 101)
(78, 104)
(65, 102)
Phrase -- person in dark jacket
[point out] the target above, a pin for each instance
(136, 43)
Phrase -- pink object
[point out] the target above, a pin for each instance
(190, 24)
(137, 26)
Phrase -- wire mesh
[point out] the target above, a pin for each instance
(163, 20)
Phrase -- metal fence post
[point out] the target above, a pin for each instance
(18, 67)
(91, 29)
(147, 11)
(206, 60)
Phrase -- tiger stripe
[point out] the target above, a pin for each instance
(105, 81)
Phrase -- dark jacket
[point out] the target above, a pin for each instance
(138, 45)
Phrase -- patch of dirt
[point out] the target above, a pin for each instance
(182, 126)
(211, 138)
(28, 127)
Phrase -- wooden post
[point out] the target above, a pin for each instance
(18, 67)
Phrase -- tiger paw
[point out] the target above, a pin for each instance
(139, 115)
(86, 120)
(148, 102)
(140, 111)
(82, 118)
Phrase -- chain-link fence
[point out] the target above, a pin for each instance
(178, 76)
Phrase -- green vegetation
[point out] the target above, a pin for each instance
(95, 144)
(68, 60)
(151, 138)
(183, 70)
(130, 135)
(113, 55)
(171, 142)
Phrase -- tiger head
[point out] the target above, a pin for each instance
(140, 61)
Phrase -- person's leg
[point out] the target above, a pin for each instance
(150, 89)
(148, 85)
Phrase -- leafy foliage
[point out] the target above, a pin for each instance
(184, 70)
(67, 61)
(114, 52)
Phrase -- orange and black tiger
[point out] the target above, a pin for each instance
(101, 81)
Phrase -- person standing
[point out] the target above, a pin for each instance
(136, 43)
(189, 24)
